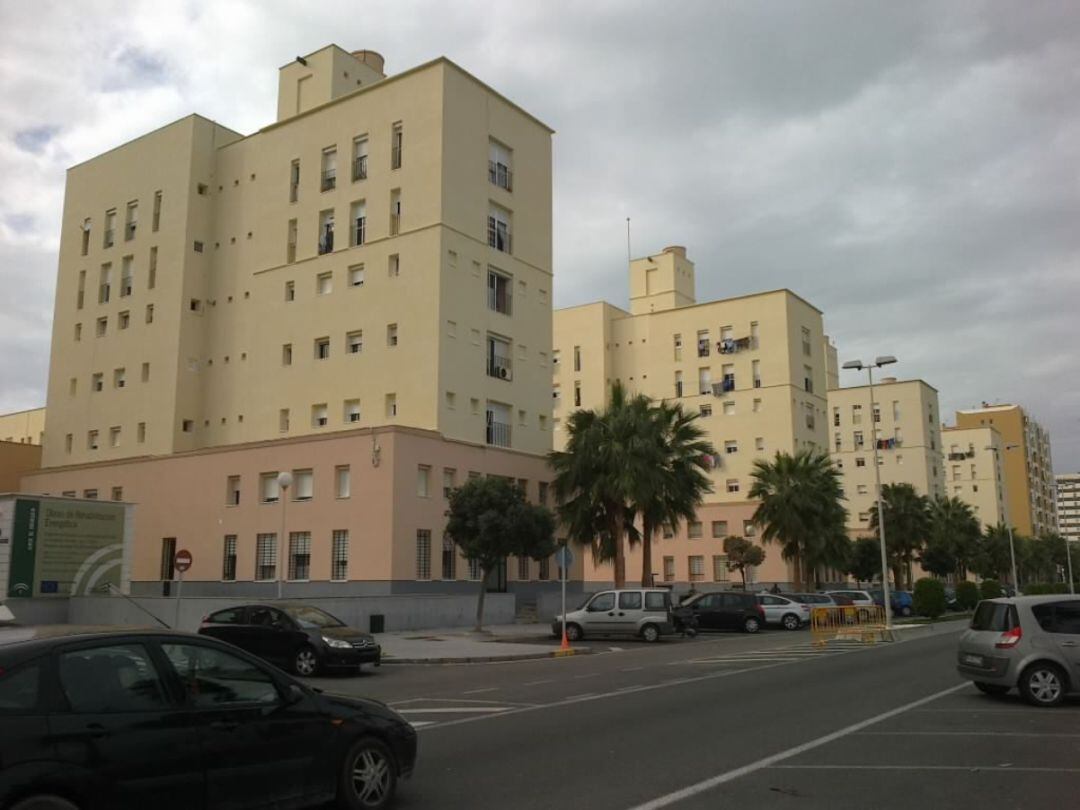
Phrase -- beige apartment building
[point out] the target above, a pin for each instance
(905, 428)
(752, 367)
(23, 427)
(975, 471)
(1028, 468)
(372, 270)
(1068, 505)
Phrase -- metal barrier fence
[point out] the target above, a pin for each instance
(864, 623)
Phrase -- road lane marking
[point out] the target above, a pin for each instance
(632, 669)
(456, 710)
(537, 683)
(478, 691)
(963, 734)
(971, 768)
(579, 697)
(587, 675)
(708, 784)
(1031, 712)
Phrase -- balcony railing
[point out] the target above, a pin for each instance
(498, 235)
(498, 434)
(500, 299)
(500, 367)
(360, 230)
(500, 175)
(326, 244)
(329, 179)
(359, 167)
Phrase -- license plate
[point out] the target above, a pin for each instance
(974, 660)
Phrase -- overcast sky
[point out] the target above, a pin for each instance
(909, 168)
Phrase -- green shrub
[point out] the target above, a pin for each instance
(967, 595)
(991, 589)
(929, 597)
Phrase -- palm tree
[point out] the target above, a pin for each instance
(674, 489)
(953, 536)
(800, 509)
(907, 525)
(607, 458)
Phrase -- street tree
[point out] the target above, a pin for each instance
(907, 524)
(742, 554)
(801, 509)
(952, 538)
(865, 561)
(490, 520)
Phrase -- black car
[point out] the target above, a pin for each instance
(133, 719)
(726, 610)
(300, 638)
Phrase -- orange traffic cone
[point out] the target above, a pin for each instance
(565, 646)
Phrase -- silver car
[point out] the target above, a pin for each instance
(784, 611)
(644, 612)
(1031, 643)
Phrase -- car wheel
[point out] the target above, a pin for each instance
(305, 662)
(44, 803)
(751, 625)
(905, 610)
(995, 689)
(791, 622)
(573, 632)
(1043, 684)
(368, 775)
(650, 633)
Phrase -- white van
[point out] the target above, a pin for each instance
(644, 612)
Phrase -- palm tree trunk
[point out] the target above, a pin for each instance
(646, 552)
(480, 601)
(620, 551)
(742, 570)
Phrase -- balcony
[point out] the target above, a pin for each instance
(326, 244)
(500, 298)
(359, 168)
(961, 456)
(498, 235)
(498, 434)
(329, 180)
(733, 345)
(889, 444)
(500, 367)
(500, 175)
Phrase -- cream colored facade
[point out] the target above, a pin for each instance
(1068, 506)
(329, 272)
(359, 292)
(1029, 470)
(906, 428)
(23, 427)
(976, 474)
(752, 366)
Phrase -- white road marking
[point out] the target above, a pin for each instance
(421, 723)
(766, 762)
(962, 734)
(632, 669)
(456, 710)
(478, 691)
(537, 683)
(579, 697)
(975, 710)
(971, 768)
(587, 675)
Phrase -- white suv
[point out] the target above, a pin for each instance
(781, 610)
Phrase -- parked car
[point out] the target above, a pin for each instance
(902, 602)
(840, 599)
(781, 610)
(1031, 643)
(127, 720)
(727, 610)
(644, 612)
(812, 599)
(301, 638)
(859, 598)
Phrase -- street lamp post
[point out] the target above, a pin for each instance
(1068, 558)
(858, 365)
(1008, 525)
(284, 481)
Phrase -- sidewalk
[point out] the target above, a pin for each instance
(462, 645)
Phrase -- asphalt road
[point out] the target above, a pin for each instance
(734, 721)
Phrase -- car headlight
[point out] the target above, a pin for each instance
(337, 643)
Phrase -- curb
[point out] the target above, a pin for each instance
(488, 659)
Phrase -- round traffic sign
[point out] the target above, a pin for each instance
(182, 560)
(564, 557)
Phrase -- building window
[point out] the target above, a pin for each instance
(360, 153)
(324, 283)
(577, 358)
(155, 221)
(391, 406)
(303, 485)
(806, 341)
(97, 382)
(729, 408)
(449, 475)
(669, 569)
(85, 237)
(114, 437)
(127, 283)
(283, 420)
(140, 433)
(168, 556)
(523, 569)
(397, 143)
(393, 265)
(474, 570)
(109, 236)
(102, 326)
(318, 415)
(577, 393)
(500, 292)
(395, 212)
(733, 485)
(118, 493)
(322, 348)
(358, 232)
(286, 354)
(123, 320)
(265, 557)
(326, 231)
(268, 488)
(705, 409)
(499, 360)
(860, 462)
(328, 180)
(228, 559)
(499, 228)
(342, 481)
(498, 425)
(693, 529)
(749, 529)
(91, 440)
(499, 171)
(90, 494)
(356, 275)
(423, 554)
(232, 490)
(720, 568)
(423, 481)
(119, 378)
(544, 573)
(339, 555)
(449, 558)
(299, 556)
(731, 447)
(294, 181)
(352, 411)
(719, 528)
(391, 334)
(696, 565)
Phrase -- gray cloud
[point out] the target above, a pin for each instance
(907, 167)
(35, 139)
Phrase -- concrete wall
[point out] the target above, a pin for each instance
(401, 612)
(39, 611)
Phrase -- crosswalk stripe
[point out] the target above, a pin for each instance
(456, 710)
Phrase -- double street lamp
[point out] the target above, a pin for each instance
(1008, 525)
(858, 365)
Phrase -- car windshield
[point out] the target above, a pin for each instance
(994, 616)
(311, 617)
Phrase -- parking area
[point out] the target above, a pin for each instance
(963, 749)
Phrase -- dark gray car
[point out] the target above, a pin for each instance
(1031, 643)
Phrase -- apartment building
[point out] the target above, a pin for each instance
(23, 427)
(370, 271)
(975, 471)
(752, 367)
(1068, 505)
(1029, 470)
(902, 426)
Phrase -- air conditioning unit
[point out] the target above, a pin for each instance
(504, 373)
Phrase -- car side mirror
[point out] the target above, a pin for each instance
(294, 694)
